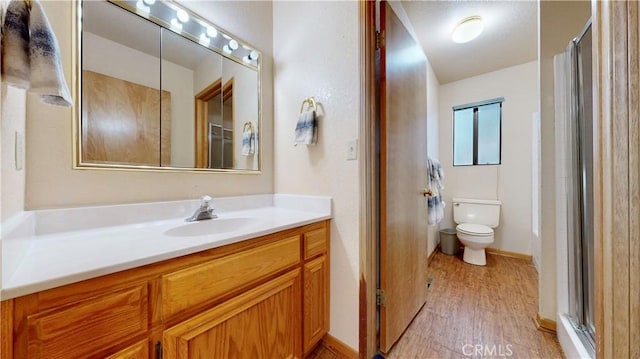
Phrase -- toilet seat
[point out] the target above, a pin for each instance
(476, 230)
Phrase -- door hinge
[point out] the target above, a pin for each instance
(380, 41)
(381, 298)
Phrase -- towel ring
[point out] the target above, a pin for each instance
(311, 102)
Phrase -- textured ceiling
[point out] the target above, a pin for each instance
(509, 37)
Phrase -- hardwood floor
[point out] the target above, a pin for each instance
(320, 352)
(478, 312)
(469, 306)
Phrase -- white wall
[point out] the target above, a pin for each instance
(563, 150)
(178, 80)
(208, 71)
(52, 182)
(536, 246)
(509, 182)
(13, 121)
(316, 54)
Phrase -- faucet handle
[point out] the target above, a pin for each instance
(205, 201)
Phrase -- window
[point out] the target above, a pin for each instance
(477, 133)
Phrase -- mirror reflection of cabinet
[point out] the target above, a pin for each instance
(161, 97)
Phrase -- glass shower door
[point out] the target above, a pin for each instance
(580, 187)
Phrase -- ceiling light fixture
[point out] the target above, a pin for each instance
(176, 24)
(142, 7)
(183, 16)
(467, 29)
(204, 39)
(211, 31)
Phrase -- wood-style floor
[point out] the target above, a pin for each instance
(478, 312)
(320, 352)
(492, 307)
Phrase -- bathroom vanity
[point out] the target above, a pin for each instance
(265, 296)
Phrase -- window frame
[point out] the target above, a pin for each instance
(476, 106)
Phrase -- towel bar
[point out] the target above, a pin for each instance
(311, 102)
(247, 124)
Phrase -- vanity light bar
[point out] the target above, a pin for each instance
(180, 20)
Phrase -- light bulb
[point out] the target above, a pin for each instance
(467, 29)
(142, 7)
(182, 16)
(226, 49)
(149, 2)
(233, 44)
(253, 55)
(204, 39)
(212, 32)
(176, 24)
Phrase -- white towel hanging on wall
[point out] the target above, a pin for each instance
(433, 194)
(248, 139)
(307, 125)
(31, 55)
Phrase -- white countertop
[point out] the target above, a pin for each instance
(36, 262)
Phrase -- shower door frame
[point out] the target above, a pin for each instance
(580, 196)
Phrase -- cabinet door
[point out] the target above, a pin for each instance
(139, 350)
(316, 301)
(89, 328)
(264, 322)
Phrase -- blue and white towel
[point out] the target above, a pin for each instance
(306, 129)
(435, 185)
(31, 55)
(248, 140)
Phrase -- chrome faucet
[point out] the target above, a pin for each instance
(204, 212)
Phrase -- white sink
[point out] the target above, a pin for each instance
(211, 226)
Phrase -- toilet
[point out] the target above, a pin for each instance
(476, 219)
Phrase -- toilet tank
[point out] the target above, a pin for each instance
(479, 211)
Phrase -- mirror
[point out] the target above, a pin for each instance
(165, 89)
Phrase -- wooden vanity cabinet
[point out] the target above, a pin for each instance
(316, 287)
(266, 297)
(263, 322)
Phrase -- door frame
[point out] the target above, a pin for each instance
(368, 278)
(202, 124)
(616, 176)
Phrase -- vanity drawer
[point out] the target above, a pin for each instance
(88, 328)
(315, 242)
(139, 350)
(190, 287)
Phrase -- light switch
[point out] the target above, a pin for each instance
(352, 150)
(19, 150)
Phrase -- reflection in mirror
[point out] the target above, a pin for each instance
(120, 92)
(155, 95)
(241, 119)
(186, 77)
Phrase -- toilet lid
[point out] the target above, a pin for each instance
(473, 228)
